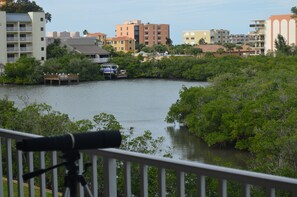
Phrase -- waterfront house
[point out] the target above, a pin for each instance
(89, 47)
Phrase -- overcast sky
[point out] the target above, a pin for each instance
(181, 15)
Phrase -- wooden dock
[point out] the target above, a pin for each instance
(60, 78)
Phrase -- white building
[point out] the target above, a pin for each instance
(22, 34)
(257, 36)
(284, 25)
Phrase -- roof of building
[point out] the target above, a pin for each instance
(120, 38)
(210, 47)
(95, 34)
(90, 50)
(18, 17)
(81, 41)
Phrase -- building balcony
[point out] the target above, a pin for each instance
(11, 60)
(110, 161)
(12, 29)
(100, 60)
(12, 39)
(26, 49)
(26, 39)
(25, 29)
(12, 49)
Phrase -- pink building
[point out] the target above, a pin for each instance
(280, 24)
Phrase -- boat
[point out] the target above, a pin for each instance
(111, 71)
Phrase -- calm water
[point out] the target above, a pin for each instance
(142, 104)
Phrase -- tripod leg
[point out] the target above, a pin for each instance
(66, 192)
(84, 183)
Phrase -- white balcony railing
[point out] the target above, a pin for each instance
(110, 159)
(12, 39)
(100, 60)
(26, 39)
(12, 29)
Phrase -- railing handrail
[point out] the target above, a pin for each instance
(17, 135)
(199, 168)
(203, 170)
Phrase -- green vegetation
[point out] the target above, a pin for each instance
(252, 109)
(41, 119)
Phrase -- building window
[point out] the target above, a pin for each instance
(42, 58)
(42, 39)
(42, 48)
(127, 33)
(41, 28)
(41, 19)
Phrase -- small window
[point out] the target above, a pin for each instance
(41, 28)
(41, 19)
(42, 38)
(42, 58)
(42, 48)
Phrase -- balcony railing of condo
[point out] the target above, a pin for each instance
(112, 157)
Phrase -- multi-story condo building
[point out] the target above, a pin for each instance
(219, 36)
(22, 34)
(239, 38)
(124, 44)
(257, 36)
(195, 36)
(284, 25)
(213, 36)
(148, 34)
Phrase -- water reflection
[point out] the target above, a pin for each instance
(189, 147)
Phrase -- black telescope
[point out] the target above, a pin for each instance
(68, 142)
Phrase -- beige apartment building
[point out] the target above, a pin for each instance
(213, 36)
(22, 34)
(124, 44)
(193, 37)
(148, 34)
